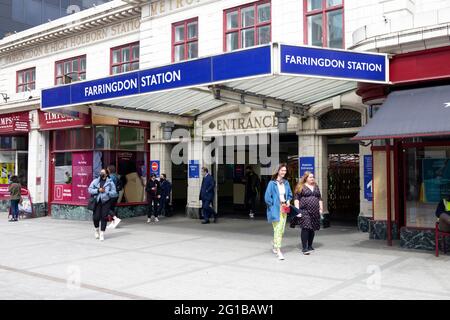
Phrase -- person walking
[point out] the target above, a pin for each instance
(14, 191)
(153, 189)
(207, 196)
(166, 188)
(111, 171)
(308, 201)
(252, 183)
(278, 197)
(104, 189)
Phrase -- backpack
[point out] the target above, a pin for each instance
(118, 183)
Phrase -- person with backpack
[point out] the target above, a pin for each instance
(15, 195)
(111, 170)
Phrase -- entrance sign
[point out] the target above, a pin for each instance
(194, 169)
(329, 63)
(154, 167)
(368, 178)
(306, 164)
(234, 65)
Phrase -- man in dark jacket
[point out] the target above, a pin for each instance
(166, 188)
(251, 190)
(207, 196)
(153, 190)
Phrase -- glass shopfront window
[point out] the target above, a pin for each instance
(427, 182)
(13, 159)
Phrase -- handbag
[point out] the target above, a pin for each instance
(92, 203)
(285, 209)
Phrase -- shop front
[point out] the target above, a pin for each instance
(14, 129)
(80, 147)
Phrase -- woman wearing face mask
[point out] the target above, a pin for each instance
(104, 189)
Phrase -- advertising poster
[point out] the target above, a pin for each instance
(62, 192)
(436, 180)
(82, 176)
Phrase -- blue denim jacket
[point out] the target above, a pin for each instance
(110, 190)
(272, 198)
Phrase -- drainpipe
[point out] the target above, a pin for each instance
(388, 187)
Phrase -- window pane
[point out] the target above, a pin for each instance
(105, 137)
(81, 138)
(264, 13)
(335, 34)
(315, 30)
(248, 17)
(248, 38)
(179, 52)
(135, 66)
(32, 86)
(332, 3)
(192, 30)
(20, 78)
(192, 50)
(126, 67)
(59, 70)
(264, 35)
(132, 139)
(59, 81)
(179, 33)
(27, 77)
(136, 52)
(314, 4)
(232, 41)
(74, 76)
(232, 20)
(67, 67)
(83, 64)
(33, 75)
(116, 70)
(82, 76)
(116, 56)
(75, 65)
(125, 54)
(20, 89)
(63, 168)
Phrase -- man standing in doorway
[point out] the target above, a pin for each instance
(251, 190)
(207, 196)
(153, 190)
(166, 188)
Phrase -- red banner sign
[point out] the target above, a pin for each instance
(51, 121)
(82, 176)
(14, 122)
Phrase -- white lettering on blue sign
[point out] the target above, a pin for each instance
(116, 86)
(161, 78)
(333, 63)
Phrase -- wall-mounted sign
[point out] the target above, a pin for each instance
(155, 167)
(368, 178)
(194, 169)
(14, 122)
(52, 121)
(244, 123)
(329, 63)
(306, 164)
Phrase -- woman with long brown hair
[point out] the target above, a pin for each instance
(277, 197)
(308, 200)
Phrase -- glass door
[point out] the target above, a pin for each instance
(22, 167)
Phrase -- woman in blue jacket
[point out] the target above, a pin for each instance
(104, 189)
(278, 196)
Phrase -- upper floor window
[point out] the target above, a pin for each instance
(247, 25)
(125, 58)
(70, 70)
(185, 40)
(26, 80)
(324, 23)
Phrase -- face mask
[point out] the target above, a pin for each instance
(103, 175)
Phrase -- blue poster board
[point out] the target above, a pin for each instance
(155, 167)
(306, 164)
(368, 178)
(194, 169)
(436, 180)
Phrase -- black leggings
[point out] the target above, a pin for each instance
(307, 237)
(100, 214)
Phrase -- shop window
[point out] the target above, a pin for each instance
(70, 70)
(185, 40)
(105, 137)
(125, 58)
(132, 139)
(14, 143)
(63, 168)
(73, 139)
(427, 183)
(324, 23)
(342, 118)
(247, 26)
(26, 80)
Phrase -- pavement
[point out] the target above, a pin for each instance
(180, 259)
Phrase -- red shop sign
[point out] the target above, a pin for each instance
(14, 122)
(51, 121)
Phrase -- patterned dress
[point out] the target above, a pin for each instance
(309, 208)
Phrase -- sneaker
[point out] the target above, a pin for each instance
(115, 222)
(310, 249)
(102, 236)
(110, 225)
(156, 219)
(97, 234)
(149, 220)
(280, 255)
(252, 215)
(305, 252)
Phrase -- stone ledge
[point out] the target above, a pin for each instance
(378, 230)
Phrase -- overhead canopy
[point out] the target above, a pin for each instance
(411, 113)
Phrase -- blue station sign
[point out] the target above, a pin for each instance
(228, 66)
(329, 63)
